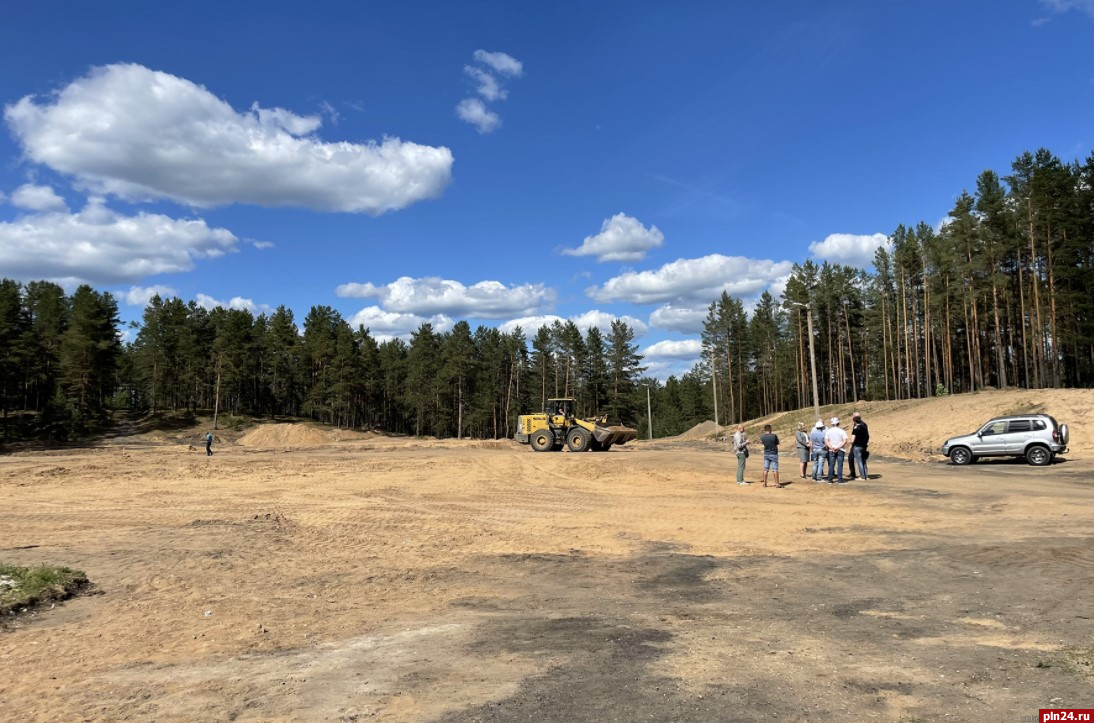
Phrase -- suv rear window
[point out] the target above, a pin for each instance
(1039, 424)
(1019, 425)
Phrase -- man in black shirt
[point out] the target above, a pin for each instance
(860, 440)
(771, 454)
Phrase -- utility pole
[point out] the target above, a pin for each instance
(649, 413)
(216, 397)
(812, 354)
(714, 390)
(850, 349)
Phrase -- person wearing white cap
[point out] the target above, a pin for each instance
(835, 439)
(816, 439)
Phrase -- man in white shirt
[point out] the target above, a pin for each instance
(835, 439)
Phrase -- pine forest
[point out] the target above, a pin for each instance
(999, 296)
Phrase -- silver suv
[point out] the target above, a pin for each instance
(1037, 437)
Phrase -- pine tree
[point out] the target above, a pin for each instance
(14, 326)
(47, 313)
(89, 356)
(458, 354)
(423, 361)
(595, 374)
(624, 368)
(283, 367)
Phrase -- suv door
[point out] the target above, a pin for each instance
(1019, 432)
(992, 439)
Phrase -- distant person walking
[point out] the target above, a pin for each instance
(209, 444)
(770, 441)
(860, 440)
(802, 444)
(835, 439)
(740, 446)
(819, 451)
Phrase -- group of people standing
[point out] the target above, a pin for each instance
(826, 447)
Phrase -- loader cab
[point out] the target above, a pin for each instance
(559, 410)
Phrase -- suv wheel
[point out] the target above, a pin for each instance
(960, 455)
(1038, 455)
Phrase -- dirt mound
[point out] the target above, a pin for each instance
(702, 430)
(285, 435)
(915, 429)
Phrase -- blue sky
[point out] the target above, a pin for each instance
(507, 162)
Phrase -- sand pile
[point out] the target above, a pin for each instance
(916, 429)
(285, 435)
(702, 430)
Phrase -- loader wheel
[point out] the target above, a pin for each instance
(541, 441)
(578, 440)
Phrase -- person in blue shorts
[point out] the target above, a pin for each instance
(770, 441)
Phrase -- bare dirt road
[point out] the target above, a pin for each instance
(377, 579)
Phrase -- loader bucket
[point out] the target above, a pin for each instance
(614, 435)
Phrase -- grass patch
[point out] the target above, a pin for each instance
(232, 422)
(24, 587)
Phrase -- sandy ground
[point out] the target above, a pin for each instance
(391, 579)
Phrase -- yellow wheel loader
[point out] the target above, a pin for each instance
(557, 426)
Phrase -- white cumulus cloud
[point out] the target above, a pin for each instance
(37, 198)
(387, 325)
(141, 134)
(685, 319)
(585, 321)
(485, 74)
(474, 111)
(100, 246)
(501, 62)
(671, 357)
(433, 295)
(621, 238)
(693, 281)
(674, 349)
(850, 249)
(236, 302)
(141, 295)
(489, 87)
(603, 321)
(529, 324)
